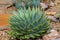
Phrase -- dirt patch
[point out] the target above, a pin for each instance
(4, 19)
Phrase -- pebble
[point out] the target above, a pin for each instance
(4, 35)
(43, 6)
(52, 4)
(52, 18)
(58, 39)
(50, 13)
(51, 36)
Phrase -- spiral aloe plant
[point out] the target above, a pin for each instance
(29, 23)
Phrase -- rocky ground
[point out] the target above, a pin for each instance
(55, 23)
(51, 13)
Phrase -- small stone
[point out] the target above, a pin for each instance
(52, 4)
(50, 13)
(57, 2)
(57, 39)
(43, 6)
(52, 18)
(57, 15)
(51, 36)
(4, 35)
